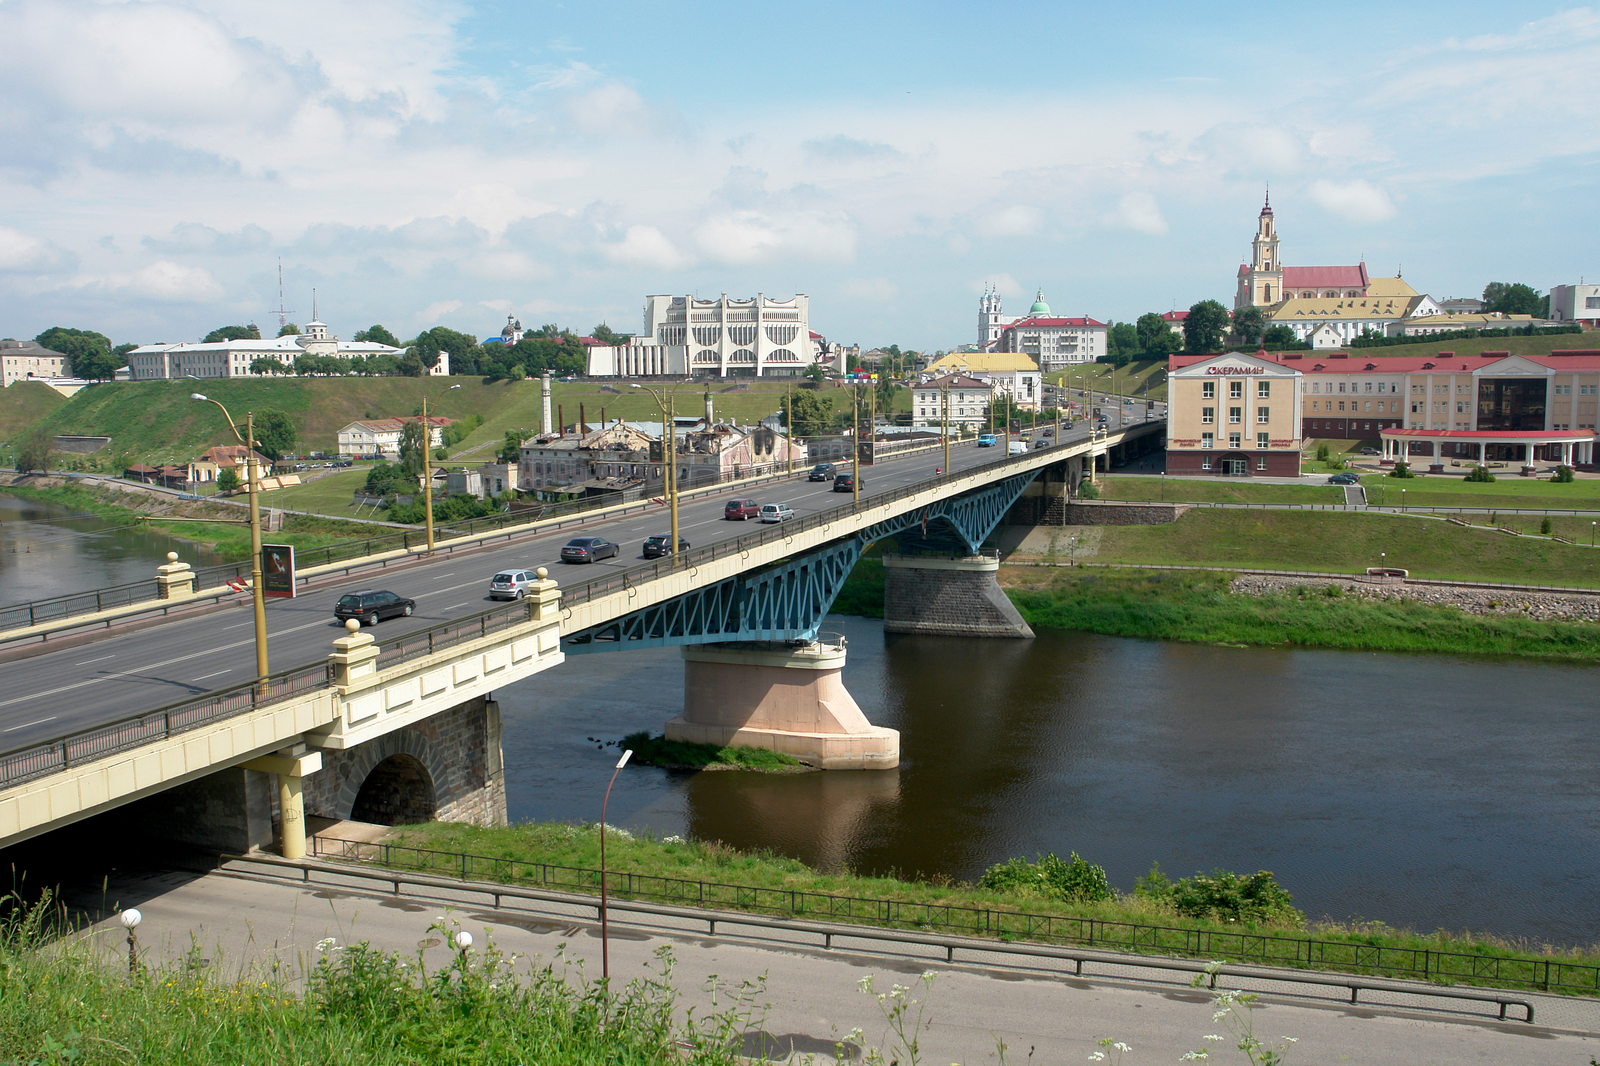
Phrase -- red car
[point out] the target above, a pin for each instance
(743, 510)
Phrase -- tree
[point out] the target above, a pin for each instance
(1149, 328)
(816, 373)
(511, 446)
(413, 440)
(606, 335)
(1248, 323)
(1282, 338)
(1122, 339)
(1204, 327)
(289, 330)
(886, 390)
(233, 333)
(1515, 298)
(121, 351)
(275, 434)
(412, 365)
(266, 364)
(378, 335)
(88, 353)
(227, 480)
(33, 452)
(464, 349)
(812, 412)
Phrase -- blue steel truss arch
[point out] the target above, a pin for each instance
(786, 601)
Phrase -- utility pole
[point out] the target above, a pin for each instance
(944, 391)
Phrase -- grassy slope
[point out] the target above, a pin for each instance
(1348, 543)
(1216, 490)
(22, 405)
(1513, 491)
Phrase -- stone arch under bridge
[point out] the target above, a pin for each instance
(408, 768)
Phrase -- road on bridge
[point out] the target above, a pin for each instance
(129, 670)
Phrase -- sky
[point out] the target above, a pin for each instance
(424, 163)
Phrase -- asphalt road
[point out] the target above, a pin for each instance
(130, 670)
(240, 924)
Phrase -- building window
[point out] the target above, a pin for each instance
(1208, 415)
(1208, 390)
(1316, 386)
(1314, 405)
(1341, 386)
(1235, 390)
(1341, 405)
(1205, 462)
(1236, 414)
(1263, 414)
(1263, 389)
(1206, 441)
(1261, 462)
(1263, 441)
(1234, 441)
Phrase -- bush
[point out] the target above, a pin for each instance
(1322, 453)
(1076, 881)
(1479, 474)
(227, 480)
(1563, 474)
(1401, 469)
(1088, 490)
(1222, 896)
(1547, 527)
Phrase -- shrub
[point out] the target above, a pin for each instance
(227, 480)
(1322, 453)
(1088, 490)
(1076, 881)
(1563, 474)
(1401, 469)
(1222, 895)
(1479, 474)
(1547, 527)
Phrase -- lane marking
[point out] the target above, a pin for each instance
(25, 725)
(102, 659)
(453, 606)
(451, 588)
(219, 673)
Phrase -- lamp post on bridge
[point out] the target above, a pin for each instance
(256, 592)
(669, 465)
(427, 466)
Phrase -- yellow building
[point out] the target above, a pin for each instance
(1233, 414)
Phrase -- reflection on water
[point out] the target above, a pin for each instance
(47, 551)
(1421, 790)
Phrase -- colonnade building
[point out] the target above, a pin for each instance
(685, 336)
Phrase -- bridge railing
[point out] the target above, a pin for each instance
(38, 760)
(136, 730)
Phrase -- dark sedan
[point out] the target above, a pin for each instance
(587, 550)
(657, 545)
(821, 472)
(847, 483)
(371, 607)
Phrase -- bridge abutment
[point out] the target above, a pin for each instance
(781, 698)
(949, 597)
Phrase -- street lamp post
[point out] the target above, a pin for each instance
(605, 955)
(427, 466)
(256, 592)
(669, 458)
(130, 920)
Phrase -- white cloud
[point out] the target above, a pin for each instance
(437, 310)
(1139, 211)
(610, 108)
(880, 290)
(162, 280)
(1358, 200)
(756, 237)
(1004, 284)
(1019, 220)
(645, 246)
(22, 254)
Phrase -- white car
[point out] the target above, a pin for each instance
(776, 512)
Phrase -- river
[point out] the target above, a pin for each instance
(1421, 790)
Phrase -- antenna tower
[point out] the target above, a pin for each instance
(283, 315)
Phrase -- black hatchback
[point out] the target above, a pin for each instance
(371, 607)
(821, 472)
(587, 550)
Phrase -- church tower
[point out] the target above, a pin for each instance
(1261, 284)
(990, 321)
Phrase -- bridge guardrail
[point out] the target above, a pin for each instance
(37, 760)
(1271, 949)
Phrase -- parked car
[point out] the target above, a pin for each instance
(372, 606)
(511, 584)
(743, 510)
(587, 550)
(986, 440)
(1370, 451)
(776, 512)
(1345, 479)
(847, 483)
(822, 472)
(657, 545)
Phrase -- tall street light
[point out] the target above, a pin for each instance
(256, 591)
(669, 460)
(605, 953)
(427, 466)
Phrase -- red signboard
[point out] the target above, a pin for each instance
(277, 570)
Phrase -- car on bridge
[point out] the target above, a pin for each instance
(847, 483)
(986, 440)
(743, 510)
(776, 512)
(511, 584)
(588, 550)
(658, 545)
(822, 472)
(372, 606)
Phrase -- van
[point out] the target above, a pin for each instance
(1017, 447)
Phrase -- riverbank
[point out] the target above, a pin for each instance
(741, 880)
(223, 528)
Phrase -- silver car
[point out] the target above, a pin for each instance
(776, 512)
(511, 584)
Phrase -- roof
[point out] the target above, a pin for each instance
(1325, 277)
(1345, 308)
(1361, 361)
(393, 425)
(953, 381)
(1175, 316)
(982, 362)
(1390, 287)
(1494, 434)
(1040, 320)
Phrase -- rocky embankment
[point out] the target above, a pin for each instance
(1543, 606)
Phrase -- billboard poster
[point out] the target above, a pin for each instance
(277, 570)
(864, 452)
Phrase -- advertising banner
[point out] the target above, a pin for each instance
(277, 570)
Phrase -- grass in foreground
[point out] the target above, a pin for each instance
(914, 902)
(682, 755)
(73, 1001)
(1341, 542)
(1198, 608)
(1215, 491)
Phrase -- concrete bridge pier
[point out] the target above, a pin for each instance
(783, 698)
(948, 596)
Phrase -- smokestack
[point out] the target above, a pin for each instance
(583, 422)
(710, 418)
(602, 418)
(561, 420)
(544, 395)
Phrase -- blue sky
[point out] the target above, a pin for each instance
(424, 163)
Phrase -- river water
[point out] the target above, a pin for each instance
(1421, 790)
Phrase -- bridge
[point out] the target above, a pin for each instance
(353, 732)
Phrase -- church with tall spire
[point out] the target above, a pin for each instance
(1265, 282)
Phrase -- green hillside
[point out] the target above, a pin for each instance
(23, 404)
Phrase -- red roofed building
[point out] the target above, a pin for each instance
(1265, 281)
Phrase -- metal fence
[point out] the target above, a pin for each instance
(1271, 949)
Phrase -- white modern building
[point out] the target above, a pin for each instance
(758, 337)
(1011, 372)
(233, 359)
(1576, 303)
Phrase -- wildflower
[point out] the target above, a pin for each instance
(327, 944)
